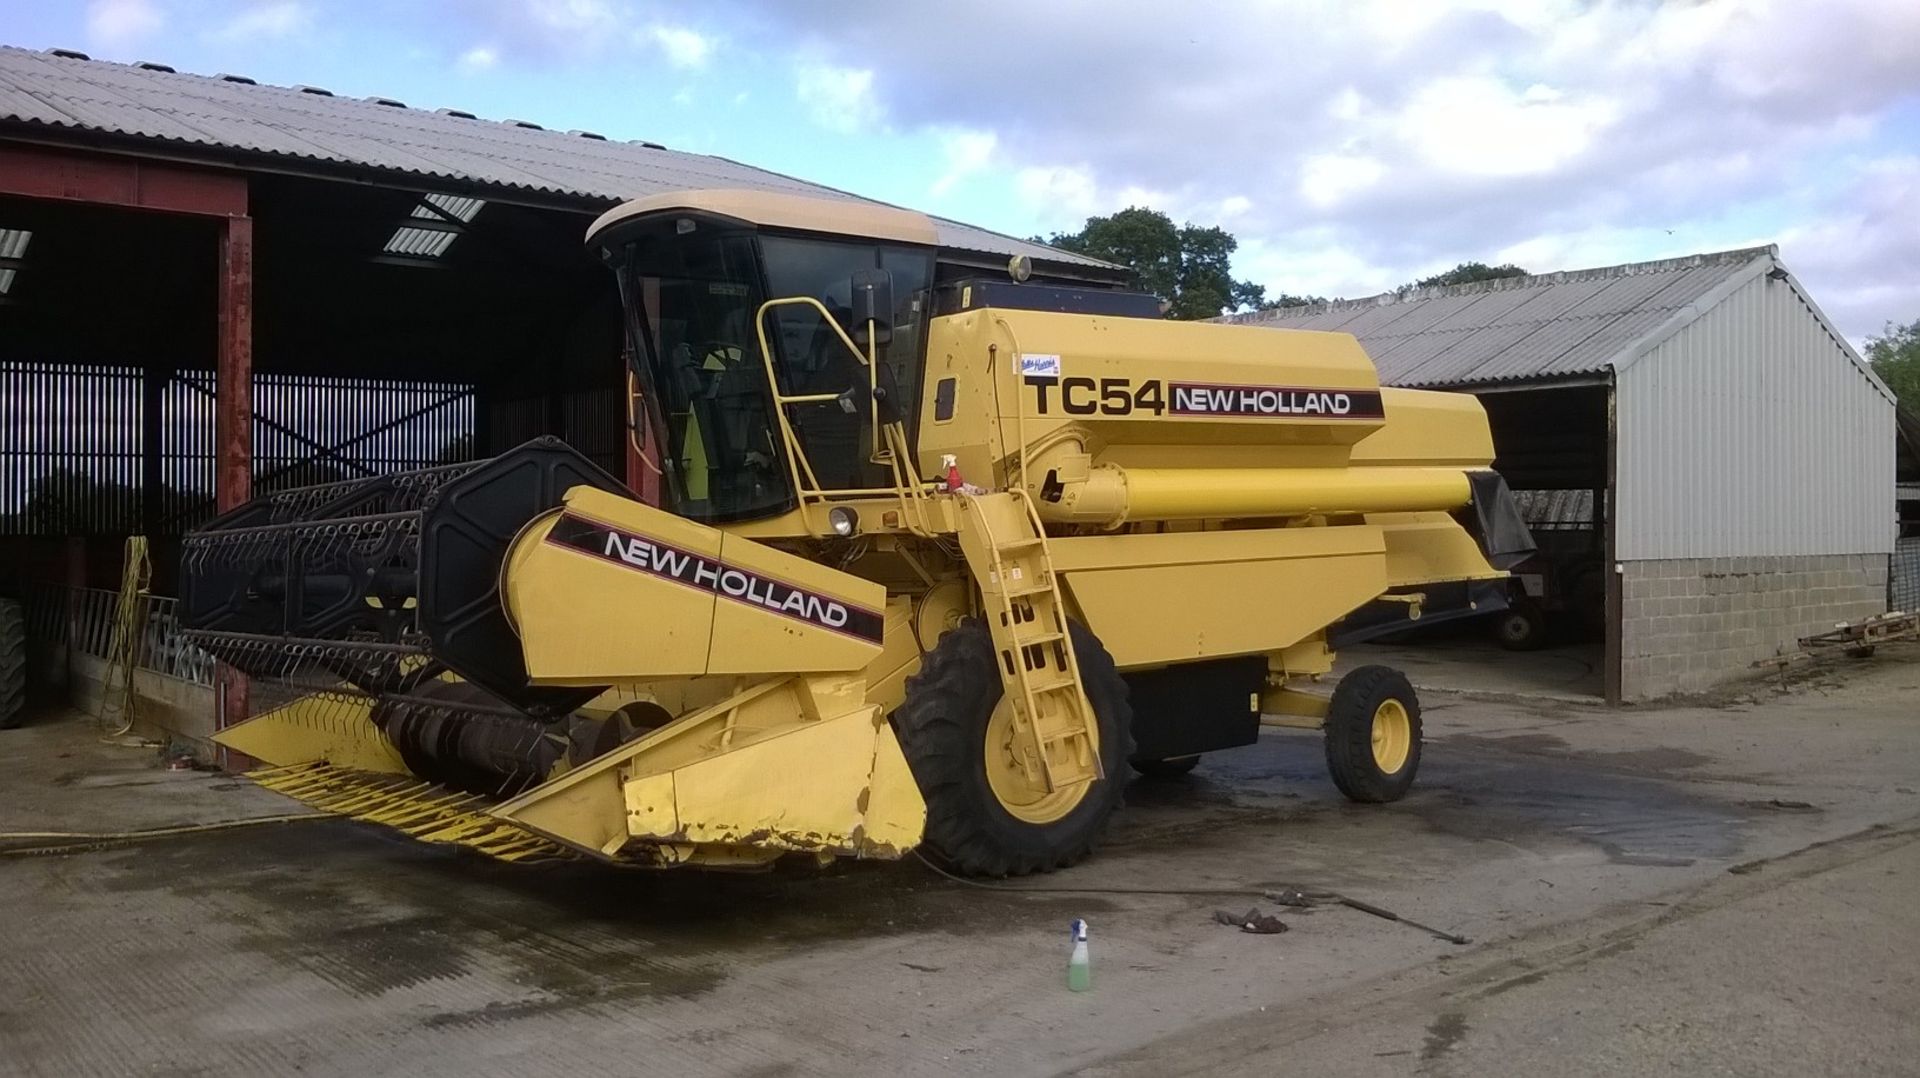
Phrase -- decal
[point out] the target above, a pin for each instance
(1039, 365)
(1192, 398)
(1120, 397)
(658, 558)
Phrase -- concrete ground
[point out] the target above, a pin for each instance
(1723, 889)
(1472, 663)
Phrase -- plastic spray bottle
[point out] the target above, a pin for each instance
(1079, 970)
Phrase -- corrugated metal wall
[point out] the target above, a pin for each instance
(1749, 433)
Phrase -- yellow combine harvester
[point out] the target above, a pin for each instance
(941, 557)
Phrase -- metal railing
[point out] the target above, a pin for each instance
(83, 619)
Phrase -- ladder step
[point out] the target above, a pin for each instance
(1023, 544)
(1024, 640)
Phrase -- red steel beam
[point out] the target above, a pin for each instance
(131, 182)
(233, 424)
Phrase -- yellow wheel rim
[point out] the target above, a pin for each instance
(1392, 736)
(1025, 797)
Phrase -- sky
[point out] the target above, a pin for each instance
(1350, 145)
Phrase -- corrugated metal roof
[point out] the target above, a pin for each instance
(305, 124)
(1515, 329)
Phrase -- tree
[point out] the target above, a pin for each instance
(1895, 356)
(1466, 273)
(1186, 265)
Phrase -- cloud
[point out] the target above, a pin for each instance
(840, 99)
(269, 21)
(1404, 134)
(479, 58)
(964, 152)
(119, 24)
(684, 48)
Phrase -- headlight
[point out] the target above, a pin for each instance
(845, 521)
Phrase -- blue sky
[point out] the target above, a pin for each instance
(1349, 144)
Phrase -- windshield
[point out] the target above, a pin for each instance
(691, 301)
(692, 296)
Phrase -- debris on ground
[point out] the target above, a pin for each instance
(1263, 924)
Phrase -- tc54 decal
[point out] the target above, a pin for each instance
(1123, 396)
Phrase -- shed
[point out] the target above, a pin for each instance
(1740, 451)
(211, 287)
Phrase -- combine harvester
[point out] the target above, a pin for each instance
(941, 557)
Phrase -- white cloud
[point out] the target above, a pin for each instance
(1415, 133)
(840, 99)
(684, 48)
(1328, 179)
(573, 16)
(119, 24)
(282, 18)
(1067, 190)
(964, 152)
(479, 58)
(1482, 126)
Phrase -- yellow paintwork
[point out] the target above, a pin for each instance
(1391, 736)
(592, 620)
(1216, 593)
(787, 764)
(338, 729)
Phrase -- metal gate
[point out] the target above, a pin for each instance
(1903, 575)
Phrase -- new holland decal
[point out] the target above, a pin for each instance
(646, 554)
(1122, 396)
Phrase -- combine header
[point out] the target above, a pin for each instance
(941, 557)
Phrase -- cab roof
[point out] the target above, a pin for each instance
(773, 209)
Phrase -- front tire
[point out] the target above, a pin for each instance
(1373, 735)
(944, 728)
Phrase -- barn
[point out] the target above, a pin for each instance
(1708, 463)
(211, 287)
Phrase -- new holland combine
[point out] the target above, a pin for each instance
(942, 555)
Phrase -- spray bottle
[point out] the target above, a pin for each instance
(1079, 970)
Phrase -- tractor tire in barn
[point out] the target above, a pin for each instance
(13, 664)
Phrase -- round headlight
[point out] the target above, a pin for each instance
(845, 521)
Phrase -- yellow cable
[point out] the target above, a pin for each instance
(123, 649)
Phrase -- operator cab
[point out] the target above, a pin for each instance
(706, 278)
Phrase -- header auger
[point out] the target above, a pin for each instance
(941, 556)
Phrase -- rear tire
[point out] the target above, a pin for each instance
(942, 727)
(1522, 626)
(13, 664)
(1170, 768)
(1373, 735)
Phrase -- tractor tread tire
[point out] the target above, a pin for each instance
(13, 664)
(942, 729)
(1349, 735)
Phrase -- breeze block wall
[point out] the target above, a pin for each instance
(1688, 624)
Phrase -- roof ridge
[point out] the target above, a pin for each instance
(1733, 256)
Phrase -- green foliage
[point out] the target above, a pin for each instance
(1466, 273)
(1895, 356)
(1186, 265)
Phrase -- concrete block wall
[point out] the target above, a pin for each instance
(1688, 624)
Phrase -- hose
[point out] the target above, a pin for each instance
(81, 841)
(123, 648)
(1297, 897)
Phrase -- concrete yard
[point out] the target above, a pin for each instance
(1719, 888)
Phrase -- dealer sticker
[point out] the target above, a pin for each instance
(1039, 365)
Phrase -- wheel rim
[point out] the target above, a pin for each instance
(1392, 736)
(1025, 800)
(1516, 627)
